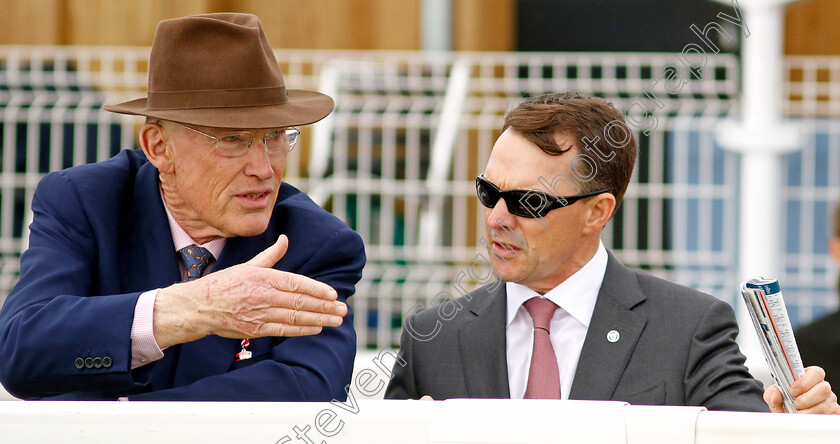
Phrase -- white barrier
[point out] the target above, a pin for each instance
(371, 422)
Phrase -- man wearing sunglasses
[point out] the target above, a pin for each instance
(568, 320)
(187, 270)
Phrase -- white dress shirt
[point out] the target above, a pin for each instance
(576, 298)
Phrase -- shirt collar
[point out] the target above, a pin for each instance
(181, 239)
(576, 295)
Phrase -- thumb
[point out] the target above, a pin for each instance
(773, 398)
(271, 255)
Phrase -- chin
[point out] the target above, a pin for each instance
(507, 268)
(508, 273)
(250, 229)
(249, 233)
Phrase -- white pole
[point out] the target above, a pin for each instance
(762, 137)
(436, 25)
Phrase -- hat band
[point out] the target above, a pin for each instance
(217, 98)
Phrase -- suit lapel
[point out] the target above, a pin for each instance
(483, 346)
(147, 257)
(601, 361)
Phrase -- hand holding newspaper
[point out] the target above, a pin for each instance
(766, 306)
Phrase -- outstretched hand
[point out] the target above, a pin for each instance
(811, 394)
(249, 300)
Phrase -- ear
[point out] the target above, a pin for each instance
(154, 146)
(834, 248)
(601, 209)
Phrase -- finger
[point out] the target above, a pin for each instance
(818, 394)
(301, 285)
(827, 406)
(303, 302)
(271, 255)
(426, 398)
(773, 398)
(813, 376)
(303, 318)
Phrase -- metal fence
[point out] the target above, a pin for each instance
(398, 157)
(50, 118)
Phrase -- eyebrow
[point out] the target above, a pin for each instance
(512, 189)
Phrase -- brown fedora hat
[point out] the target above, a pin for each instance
(218, 70)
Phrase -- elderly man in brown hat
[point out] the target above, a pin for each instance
(186, 271)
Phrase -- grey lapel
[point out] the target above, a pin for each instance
(602, 362)
(483, 345)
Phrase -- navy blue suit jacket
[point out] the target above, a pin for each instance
(99, 238)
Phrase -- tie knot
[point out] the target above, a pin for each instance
(195, 260)
(541, 311)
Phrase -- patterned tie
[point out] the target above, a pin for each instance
(196, 259)
(544, 377)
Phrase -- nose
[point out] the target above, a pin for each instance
(499, 215)
(259, 162)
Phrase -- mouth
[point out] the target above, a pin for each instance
(504, 249)
(254, 198)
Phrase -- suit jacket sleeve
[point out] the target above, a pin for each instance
(45, 321)
(715, 375)
(402, 385)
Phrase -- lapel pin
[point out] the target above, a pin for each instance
(613, 336)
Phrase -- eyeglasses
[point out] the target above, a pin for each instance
(525, 203)
(279, 141)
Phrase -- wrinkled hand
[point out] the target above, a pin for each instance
(250, 300)
(811, 394)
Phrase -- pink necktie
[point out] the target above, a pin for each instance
(544, 377)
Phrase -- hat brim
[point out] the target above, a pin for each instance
(302, 108)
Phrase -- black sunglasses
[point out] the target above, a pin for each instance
(524, 203)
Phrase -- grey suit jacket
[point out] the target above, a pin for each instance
(676, 347)
(819, 343)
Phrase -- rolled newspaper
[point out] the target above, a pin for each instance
(766, 306)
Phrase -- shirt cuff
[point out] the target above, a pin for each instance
(144, 347)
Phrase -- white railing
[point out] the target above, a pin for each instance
(372, 422)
